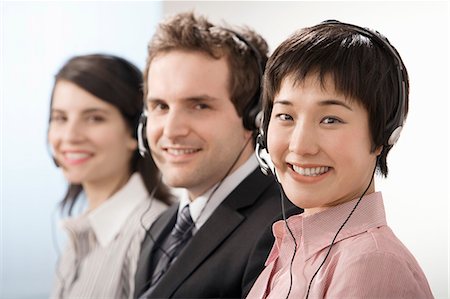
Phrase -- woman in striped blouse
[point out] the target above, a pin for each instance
(94, 113)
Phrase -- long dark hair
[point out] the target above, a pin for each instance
(117, 82)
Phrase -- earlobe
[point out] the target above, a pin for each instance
(379, 150)
(133, 144)
(248, 134)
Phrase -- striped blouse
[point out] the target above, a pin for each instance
(103, 246)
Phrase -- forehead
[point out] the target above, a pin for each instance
(311, 83)
(326, 82)
(69, 96)
(313, 90)
(180, 73)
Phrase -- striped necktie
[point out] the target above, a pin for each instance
(171, 247)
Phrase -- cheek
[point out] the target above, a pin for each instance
(52, 138)
(117, 149)
(151, 130)
(132, 143)
(108, 137)
(277, 143)
(349, 148)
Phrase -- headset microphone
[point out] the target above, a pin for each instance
(263, 157)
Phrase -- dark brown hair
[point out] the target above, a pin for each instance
(188, 32)
(360, 68)
(117, 82)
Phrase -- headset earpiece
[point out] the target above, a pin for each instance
(259, 119)
(394, 136)
(141, 134)
(262, 154)
(250, 118)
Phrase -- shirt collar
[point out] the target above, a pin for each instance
(200, 208)
(315, 232)
(107, 219)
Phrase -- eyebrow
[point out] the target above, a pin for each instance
(193, 99)
(283, 102)
(86, 111)
(329, 102)
(335, 102)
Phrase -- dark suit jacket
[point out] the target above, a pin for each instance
(225, 256)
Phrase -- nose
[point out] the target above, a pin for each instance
(73, 132)
(304, 139)
(176, 124)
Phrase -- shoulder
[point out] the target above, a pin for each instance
(375, 242)
(254, 190)
(378, 243)
(145, 214)
(377, 264)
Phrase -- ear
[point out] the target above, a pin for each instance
(132, 144)
(378, 150)
(248, 134)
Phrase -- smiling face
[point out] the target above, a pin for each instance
(320, 144)
(193, 129)
(89, 137)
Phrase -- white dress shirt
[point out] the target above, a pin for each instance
(101, 256)
(203, 206)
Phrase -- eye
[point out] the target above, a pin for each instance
(201, 106)
(95, 118)
(331, 120)
(161, 106)
(58, 118)
(283, 117)
(157, 105)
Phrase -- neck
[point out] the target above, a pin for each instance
(98, 192)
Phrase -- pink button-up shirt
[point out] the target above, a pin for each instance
(366, 261)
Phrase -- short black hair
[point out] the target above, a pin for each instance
(360, 67)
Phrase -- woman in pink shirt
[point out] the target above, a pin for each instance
(335, 99)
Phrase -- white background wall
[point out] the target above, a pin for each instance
(37, 37)
(416, 191)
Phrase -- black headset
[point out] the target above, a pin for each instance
(393, 126)
(251, 116)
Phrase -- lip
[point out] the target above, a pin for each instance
(180, 154)
(308, 179)
(76, 157)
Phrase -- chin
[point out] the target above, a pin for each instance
(75, 182)
(304, 201)
(174, 182)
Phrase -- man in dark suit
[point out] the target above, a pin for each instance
(202, 99)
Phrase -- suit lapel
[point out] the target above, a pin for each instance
(198, 249)
(160, 228)
(225, 219)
